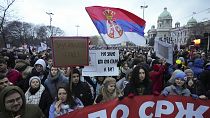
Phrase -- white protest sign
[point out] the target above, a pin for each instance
(164, 50)
(102, 63)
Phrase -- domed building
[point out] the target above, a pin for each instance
(192, 22)
(178, 35)
(164, 20)
(164, 25)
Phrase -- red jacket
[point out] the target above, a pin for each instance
(14, 76)
(156, 75)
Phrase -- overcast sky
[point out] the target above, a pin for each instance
(69, 13)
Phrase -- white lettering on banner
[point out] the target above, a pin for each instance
(98, 114)
(121, 107)
(143, 108)
(159, 108)
(189, 112)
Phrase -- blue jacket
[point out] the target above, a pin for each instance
(197, 67)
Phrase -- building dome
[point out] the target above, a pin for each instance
(153, 28)
(165, 15)
(191, 22)
(178, 23)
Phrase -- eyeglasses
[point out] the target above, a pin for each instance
(12, 101)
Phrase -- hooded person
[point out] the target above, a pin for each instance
(197, 67)
(38, 70)
(13, 104)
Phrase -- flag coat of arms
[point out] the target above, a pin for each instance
(116, 25)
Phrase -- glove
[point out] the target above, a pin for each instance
(194, 96)
(165, 93)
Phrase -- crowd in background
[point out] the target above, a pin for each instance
(30, 83)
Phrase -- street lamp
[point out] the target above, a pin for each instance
(50, 14)
(143, 7)
(77, 26)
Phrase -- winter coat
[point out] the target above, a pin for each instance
(53, 84)
(197, 87)
(145, 89)
(175, 90)
(14, 76)
(198, 67)
(205, 80)
(157, 79)
(34, 99)
(26, 111)
(45, 101)
(83, 92)
(65, 108)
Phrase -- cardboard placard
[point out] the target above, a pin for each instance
(70, 51)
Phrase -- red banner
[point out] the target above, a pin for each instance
(146, 106)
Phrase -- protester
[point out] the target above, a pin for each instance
(4, 82)
(197, 67)
(205, 80)
(80, 89)
(140, 83)
(33, 94)
(194, 85)
(109, 91)
(179, 86)
(64, 103)
(55, 79)
(13, 104)
(13, 75)
(99, 84)
(124, 70)
(157, 77)
(23, 67)
(38, 70)
(121, 84)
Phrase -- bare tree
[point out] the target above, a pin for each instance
(3, 12)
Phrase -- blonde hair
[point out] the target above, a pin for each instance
(104, 90)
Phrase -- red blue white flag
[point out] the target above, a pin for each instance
(117, 25)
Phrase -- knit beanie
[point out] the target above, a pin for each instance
(188, 71)
(181, 75)
(34, 77)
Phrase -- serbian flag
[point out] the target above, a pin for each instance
(116, 25)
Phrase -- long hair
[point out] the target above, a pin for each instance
(135, 81)
(70, 99)
(104, 90)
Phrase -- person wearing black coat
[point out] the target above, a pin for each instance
(205, 80)
(80, 89)
(139, 84)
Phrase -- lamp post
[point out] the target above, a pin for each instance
(77, 26)
(50, 14)
(143, 7)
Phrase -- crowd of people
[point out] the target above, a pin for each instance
(31, 87)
